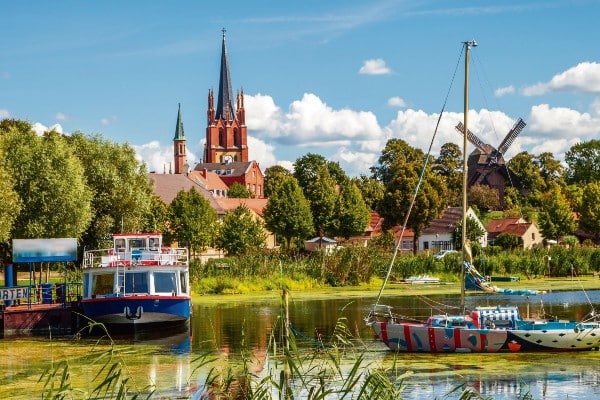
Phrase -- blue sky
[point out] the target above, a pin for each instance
(337, 78)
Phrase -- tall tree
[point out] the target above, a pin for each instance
(157, 217)
(322, 196)
(238, 191)
(551, 170)
(396, 152)
(120, 186)
(590, 209)
(192, 220)
(273, 177)
(351, 213)
(556, 216)
(11, 203)
(583, 162)
(50, 182)
(241, 232)
(307, 167)
(287, 213)
(525, 167)
(449, 165)
(371, 190)
(474, 232)
(484, 197)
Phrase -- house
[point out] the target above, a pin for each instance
(256, 207)
(527, 231)
(247, 174)
(374, 229)
(210, 181)
(324, 244)
(438, 234)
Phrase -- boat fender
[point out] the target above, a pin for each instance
(579, 328)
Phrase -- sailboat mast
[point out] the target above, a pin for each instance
(468, 46)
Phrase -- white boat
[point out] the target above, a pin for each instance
(484, 329)
(137, 284)
(422, 280)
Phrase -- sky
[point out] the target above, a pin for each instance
(337, 78)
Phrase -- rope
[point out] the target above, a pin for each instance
(315, 343)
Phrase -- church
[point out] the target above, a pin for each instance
(225, 157)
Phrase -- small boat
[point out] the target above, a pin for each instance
(484, 329)
(137, 284)
(422, 280)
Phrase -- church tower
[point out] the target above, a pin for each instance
(226, 131)
(179, 156)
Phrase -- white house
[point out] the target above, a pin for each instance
(438, 234)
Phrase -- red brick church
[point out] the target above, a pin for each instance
(225, 155)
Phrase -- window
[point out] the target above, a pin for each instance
(165, 282)
(136, 282)
(103, 284)
(183, 281)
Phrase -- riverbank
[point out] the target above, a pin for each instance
(402, 289)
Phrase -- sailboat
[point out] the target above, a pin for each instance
(484, 329)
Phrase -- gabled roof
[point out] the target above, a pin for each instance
(235, 168)
(167, 186)
(446, 223)
(209, 180)
(500, 225)
(256, 205)
(518, 229)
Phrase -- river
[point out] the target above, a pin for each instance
(234, 330)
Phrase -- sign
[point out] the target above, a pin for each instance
(44, 250)
(13, 293)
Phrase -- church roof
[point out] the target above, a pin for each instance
(166, 186)
(235, 168)
(179, 127)
(256, 205)
(225, 96)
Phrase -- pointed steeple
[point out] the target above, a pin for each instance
(179, 127)
(225, 99)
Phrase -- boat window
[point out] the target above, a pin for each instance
(154, 243)
(136, 244)
(165, 282)
(136, 282)
(183, 280)
(102, 284)
(120, 244)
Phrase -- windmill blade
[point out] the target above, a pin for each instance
(511, 136)
(472, 138)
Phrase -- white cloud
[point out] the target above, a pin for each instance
(62, 117)
(396, 102)
(4, 113)
(262, 152)
(584, 77)
(159, 158)
(108, 120)
(374, 66)
(503, 91)
(39, 128)
(561, 122)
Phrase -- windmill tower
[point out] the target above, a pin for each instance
(486, 163)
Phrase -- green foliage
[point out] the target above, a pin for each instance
(11, 202)
(590, 209)
(484, 197)
(351, 213)
(449, 166)
(556, 216)
(371, 190)
(508, 241)
(238, 191)
(241, 232)
(157, 217)
(583, 162)
(287, 213)
(322, 196)
(474, 232)
(192, 220)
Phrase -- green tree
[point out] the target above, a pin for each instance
(192, 220)
(322, 196)
(371, 190)
(307, 167)
(351, 213)
(508, 241)
(157, 217)
(583, 162)
(551, 170)
(484, 197)
(590, 209)
(241, 232)
(401, 166)
(121, 190)
(11, 204)
(273, 176)
(524, 166)
(238, 191)
(556, 216)
(449, 165)
(287, 213)
(50, 182)
(474, 232)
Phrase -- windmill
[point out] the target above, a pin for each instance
(486, 163)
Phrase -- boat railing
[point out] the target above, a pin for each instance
(136, 257)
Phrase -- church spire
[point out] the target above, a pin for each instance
(179, 127)
(225, 96)
(179, 150)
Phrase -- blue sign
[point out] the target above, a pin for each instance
(44, 250)
(13, 293)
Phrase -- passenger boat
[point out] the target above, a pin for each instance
(484, 329)
(137, 284)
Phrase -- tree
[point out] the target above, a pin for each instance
(238, 191)
(273, 176)
(11, 205)
(474, 232)
(192, 220)
(241, 232)
(371, 190)
(583, 162)
(157, 217)
(307, 166)
(551, 170)
(50, 183)
(556, 216)
(121, 190)
(322, 196)
(589, 209)
(449, 166)
(508, 241)
(484, 197)
(524, 166)
(351, 213)
(401, 166)
(287, 213)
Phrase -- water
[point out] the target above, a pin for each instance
(227, 329)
